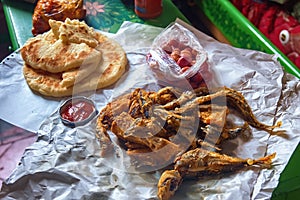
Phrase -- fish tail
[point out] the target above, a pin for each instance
(277, 125)
(265, 162)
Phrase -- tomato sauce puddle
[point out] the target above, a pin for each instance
(77, 111)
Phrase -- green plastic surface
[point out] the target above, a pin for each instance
(113, 13)
(240, 32)
(289, 182)
(18, 16)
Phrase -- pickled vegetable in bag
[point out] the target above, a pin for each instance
(177, 58)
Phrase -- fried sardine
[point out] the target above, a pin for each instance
(199, 163)
(173, 126)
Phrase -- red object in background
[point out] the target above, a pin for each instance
(281, 28)
(148, 8)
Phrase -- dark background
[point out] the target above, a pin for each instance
(4, 36)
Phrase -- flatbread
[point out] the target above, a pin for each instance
(47, 53)
(75, 75)
(111, 67)
(74, 31)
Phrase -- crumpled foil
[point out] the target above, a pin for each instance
(65, 163)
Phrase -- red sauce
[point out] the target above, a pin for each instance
(77, 111)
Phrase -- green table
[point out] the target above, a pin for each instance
(105, 15)
(18, 18)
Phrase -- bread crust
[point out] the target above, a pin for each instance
(103, 66)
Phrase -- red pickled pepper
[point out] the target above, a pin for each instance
(77, 111)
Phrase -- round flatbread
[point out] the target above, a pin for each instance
(54, 55)
(110, 68)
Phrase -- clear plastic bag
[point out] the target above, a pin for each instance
(177, 58)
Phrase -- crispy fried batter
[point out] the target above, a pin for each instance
(153, 119)
(156, 127)
(198, 163)
(168, 184)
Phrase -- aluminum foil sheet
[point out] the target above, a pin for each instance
(65, 163)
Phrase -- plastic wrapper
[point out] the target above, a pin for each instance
(65, 163)
(178, 58)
